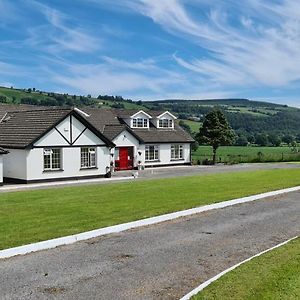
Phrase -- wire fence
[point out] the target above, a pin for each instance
(205, 159)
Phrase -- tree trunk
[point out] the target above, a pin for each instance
(214, 155)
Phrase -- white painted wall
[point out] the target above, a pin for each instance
(54, 138)
(70, 164)
(165, 155)
(15, 164)
(1, 169)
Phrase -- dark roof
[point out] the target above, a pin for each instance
(112, 131)
(24, 124)
(100, 118)
(2, 151)
(127, 113)
(115, 126)
(19, 129)
(157, 135)
(5, 108)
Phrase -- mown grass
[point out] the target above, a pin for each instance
(274, 275)
(239, 154)
(32, 216)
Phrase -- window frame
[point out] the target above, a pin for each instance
(140, 123)
(90, 159)
(55, 159)
(177, 152)
(165, 123)
(148, 153)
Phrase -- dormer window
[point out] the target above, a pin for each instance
(165, 120)
(139, 120)
(140, 123)
(165, 123)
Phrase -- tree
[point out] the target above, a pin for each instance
(261, 140)
(274, 140)
(185, 126)
(241, 141)
(298, 138)
(215, 132)
(288, 139)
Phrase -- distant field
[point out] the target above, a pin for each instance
(235, 154)
(193, 125)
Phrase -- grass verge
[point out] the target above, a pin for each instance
(274, 275)
(33, 216)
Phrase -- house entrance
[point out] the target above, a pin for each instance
(124, 158)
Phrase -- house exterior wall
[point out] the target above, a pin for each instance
(1, 170)
(70, 164)
(165, 155)
(15, 164)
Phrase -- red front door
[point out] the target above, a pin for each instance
(123, 158)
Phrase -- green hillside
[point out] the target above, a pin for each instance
(36, 97)
(245, 116)
(248, 118)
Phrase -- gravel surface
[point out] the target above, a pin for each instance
(163, 261)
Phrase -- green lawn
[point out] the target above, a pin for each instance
(274, 275)
(38, 215)
(236, 154)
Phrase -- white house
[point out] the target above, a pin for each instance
(52, 144)
(2, 152)
(57, 144)
(145, 139)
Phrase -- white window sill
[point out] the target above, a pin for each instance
(88, 168)
(52, 170)
(149, 161)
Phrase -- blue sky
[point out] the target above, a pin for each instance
(154, 49)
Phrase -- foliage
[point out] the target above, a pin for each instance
(185, 126)
(261, 140)
(241, 141)
(215, 132)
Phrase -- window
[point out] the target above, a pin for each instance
(140, 123)
(165, 123)
(176, 152)
(151, 153)
(88, 157)
(52, 159)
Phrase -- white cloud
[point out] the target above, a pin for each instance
(8, 69)
(114, 76)
(263, 50)
(57, 36)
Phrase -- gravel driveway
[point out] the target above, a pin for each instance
(163, 261)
